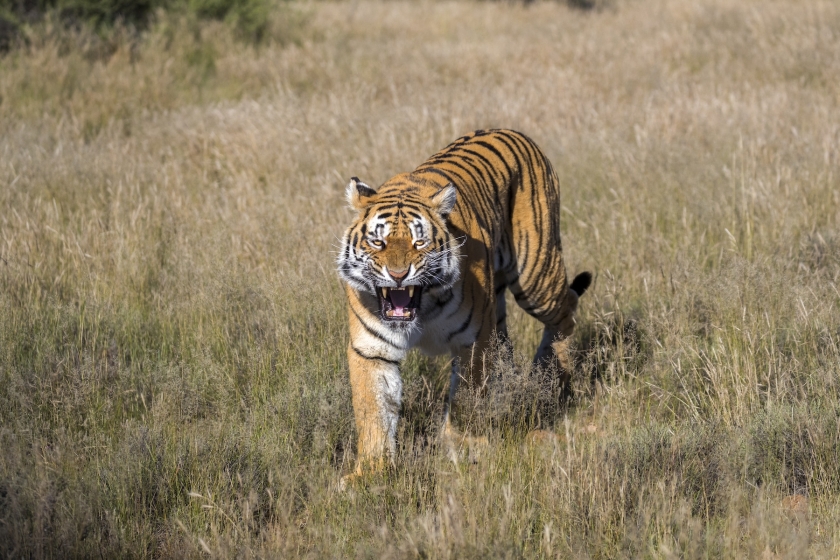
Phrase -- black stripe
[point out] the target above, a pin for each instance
(468, 170)
(498, 154)
(476, 213)
(522, 256)
(462, 328)
(513, 148)
(380, 358)
(503, 178)
(491, 169)
(460, 303)
(493, 174)
(436, 172)
(373, 332)
(523, 153)
(442, 302)
(436, 159)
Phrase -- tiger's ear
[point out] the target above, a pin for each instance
(359, 194)
(444, 200)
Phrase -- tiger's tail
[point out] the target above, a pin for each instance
(581, 283)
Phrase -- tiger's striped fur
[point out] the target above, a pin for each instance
(426, 263)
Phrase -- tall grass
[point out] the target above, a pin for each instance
(172, 372)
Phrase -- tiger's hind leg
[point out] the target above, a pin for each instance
(458, 446)
(546, 297)
(499, 286)
(556, 335)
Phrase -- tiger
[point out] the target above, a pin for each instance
(426, 262)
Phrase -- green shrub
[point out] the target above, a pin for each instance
(107, 12)
(9, 28)
(98, 12)
(249, 17)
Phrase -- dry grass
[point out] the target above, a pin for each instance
(172, 371)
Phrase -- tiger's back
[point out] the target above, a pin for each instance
(428, 260)
(509, 210)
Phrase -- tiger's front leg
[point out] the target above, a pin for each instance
(469, 364)
(374, 359)
(377, 394)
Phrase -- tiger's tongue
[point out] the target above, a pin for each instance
(400, 298)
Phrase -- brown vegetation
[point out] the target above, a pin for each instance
(172, 332)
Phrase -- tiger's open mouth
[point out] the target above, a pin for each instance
(399, 304)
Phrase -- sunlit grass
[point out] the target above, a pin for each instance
(172, 333)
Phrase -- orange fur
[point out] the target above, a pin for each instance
(427, 261)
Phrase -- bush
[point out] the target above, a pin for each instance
(9, 27)
(249, 17)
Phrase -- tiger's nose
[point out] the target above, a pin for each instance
(398, 275)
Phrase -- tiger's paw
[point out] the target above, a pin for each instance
(543, 442)
(463, 448)
(364, 469)
(348, 481)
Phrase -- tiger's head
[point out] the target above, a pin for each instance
(399, 245)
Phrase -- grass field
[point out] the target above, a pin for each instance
(173, 379)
